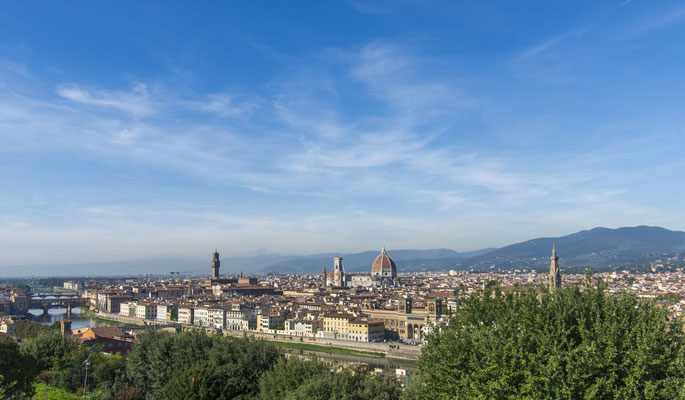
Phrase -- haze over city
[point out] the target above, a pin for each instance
(132, 130)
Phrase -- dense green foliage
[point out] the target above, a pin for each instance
(347, 386)
(294, 379)
(15, 375)
(194, 365)
(568, 344)
(25, 329)
(47, 348)
(201, 381)
(174, 366)
(287, 375)
(47, 392)
(235, 364)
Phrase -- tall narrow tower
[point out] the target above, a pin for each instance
(554, 271)
(338, 272)
(323, 277)
(215, 265)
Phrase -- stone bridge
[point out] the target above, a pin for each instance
(56, 299)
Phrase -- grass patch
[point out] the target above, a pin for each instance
(95, 318)
(46, 392)
(325, 349)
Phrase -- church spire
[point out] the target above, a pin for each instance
(554, 271)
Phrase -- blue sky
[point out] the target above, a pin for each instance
(133, 130)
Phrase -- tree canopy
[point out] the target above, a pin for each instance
(162, 364)
(16, 375)
(571, 343)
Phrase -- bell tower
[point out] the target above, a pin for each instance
(554, 271)
(215, 265)
(338, 272)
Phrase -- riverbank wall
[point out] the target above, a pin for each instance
(394, 350)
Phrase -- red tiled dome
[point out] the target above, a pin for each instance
(383, 266)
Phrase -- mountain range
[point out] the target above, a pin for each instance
(598, 247)
(361, 262)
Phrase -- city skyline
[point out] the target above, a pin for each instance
(137, 131)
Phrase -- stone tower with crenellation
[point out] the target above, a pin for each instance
(215, 265)
(554, 271)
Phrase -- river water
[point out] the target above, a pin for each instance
(78, 319)
(347, 360)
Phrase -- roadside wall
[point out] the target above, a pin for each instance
(389, 349)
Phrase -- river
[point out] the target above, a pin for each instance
(78, 319)
(347, 360)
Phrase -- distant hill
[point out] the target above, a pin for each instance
(358, 262)
(594, 247)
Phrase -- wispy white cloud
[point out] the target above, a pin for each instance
(650, 23)
(551, 44)
(390, 72)
(136, 101)
(13, 68)
(399, 146)
(383, 6)
(404, 169)
(225, 105)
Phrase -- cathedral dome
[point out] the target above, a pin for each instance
(383, 266)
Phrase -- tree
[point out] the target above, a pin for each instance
(201, 381)
(69, 369)
(158, 356)
(239, 363)
(570, 343)
(347, 386)
(110, 378)
(25, 329)
(129, 393)
(46, 348)
(286, 375)
(243, 362)
(16, 374)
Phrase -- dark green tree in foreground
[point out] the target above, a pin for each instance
(287, 375)
(573, 343)
(194, 365)
(46, 348)
(347, 386)
(16, 374)
(200, 381)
